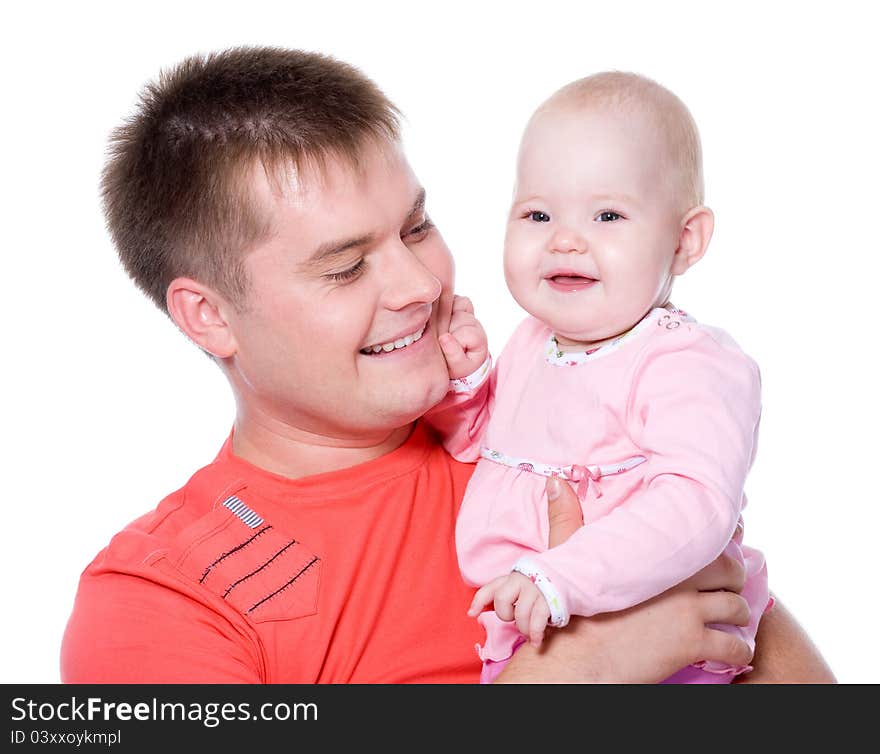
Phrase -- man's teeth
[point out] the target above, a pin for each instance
(393, 345)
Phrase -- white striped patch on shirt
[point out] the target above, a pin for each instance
(248, 516)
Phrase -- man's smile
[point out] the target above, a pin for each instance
(396, 343)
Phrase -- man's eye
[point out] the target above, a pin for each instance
(420, 231)
(347, 275)
(539, 217)
(608, 217)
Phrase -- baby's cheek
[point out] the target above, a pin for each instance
(519, 271)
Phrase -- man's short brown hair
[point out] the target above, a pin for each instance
(175, 186)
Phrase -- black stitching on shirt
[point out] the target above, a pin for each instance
(233, 551)
(282, 588)
(257, 570)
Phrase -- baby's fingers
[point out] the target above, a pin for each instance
(457, 361)
(470, 336)
(538, 621)
(462, 304)
(484, 596)
(461, 319)
(525, 605)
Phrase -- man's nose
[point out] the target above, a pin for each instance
(566, 240)
(409, 281)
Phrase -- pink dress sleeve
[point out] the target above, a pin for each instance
(462, 416)
(694, 407)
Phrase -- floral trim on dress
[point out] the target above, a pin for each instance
(559, 614)
(473, 380)
(581, 475)
(668, 317)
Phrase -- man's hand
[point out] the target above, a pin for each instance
(564, 511)
(646, 643)
(465, 345)
(515, 597)
(784, 652)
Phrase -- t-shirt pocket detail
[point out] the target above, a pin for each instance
(263, 572)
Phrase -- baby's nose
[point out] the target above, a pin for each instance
(566, 240)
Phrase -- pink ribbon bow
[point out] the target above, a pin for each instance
(583, 475)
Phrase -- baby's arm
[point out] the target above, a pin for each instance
(461, 417)
(693, 411)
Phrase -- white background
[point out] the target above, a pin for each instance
(107, 408)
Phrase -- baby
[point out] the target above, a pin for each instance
(652, 416)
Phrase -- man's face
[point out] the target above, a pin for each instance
(339, 335)
(594, 227)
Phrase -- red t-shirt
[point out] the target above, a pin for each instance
(247, 576)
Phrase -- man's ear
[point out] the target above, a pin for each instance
(696, 230)
(200, 312)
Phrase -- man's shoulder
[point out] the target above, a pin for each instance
(214, 541)
(177, 513)
(140, 610)
(224, 538)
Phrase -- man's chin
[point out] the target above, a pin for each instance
(411, 404)
(428, 401)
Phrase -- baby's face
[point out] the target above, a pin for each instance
(594, 225)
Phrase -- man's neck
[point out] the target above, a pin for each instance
(293, 452)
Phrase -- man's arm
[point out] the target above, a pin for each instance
(650, 641)
(645, 643)
(138, 628)
(784, 652)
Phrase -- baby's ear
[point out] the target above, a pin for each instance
(693, 239)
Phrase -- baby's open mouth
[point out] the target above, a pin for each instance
(569, 281)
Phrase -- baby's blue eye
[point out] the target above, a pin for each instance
(539, 217)
(608, 217)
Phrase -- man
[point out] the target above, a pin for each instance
(261, 198)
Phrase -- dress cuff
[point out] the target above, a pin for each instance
(558, 611)
(473, 380)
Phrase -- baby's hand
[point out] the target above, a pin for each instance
(464, 346)
(515, 598)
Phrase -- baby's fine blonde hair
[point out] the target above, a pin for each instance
(632, 92)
